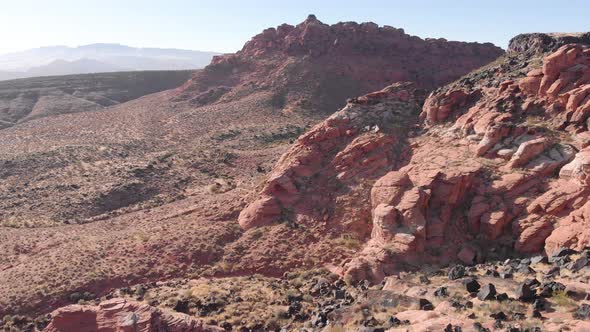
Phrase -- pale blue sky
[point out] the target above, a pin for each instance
(225, 25)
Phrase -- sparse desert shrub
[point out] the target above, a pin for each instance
(562, 300)
(77, 297)
(232, 133)
(348, 241)
(220, 186)
(287, 133)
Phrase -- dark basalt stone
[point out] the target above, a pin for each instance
(525, 293)
(456, 272)
(339, 294)
(425, 305)
(393, 321)
(294, 308)
(294, 298)
(492, 273)
(560, 261)
(525, 269)
(518, 316)
(532, 329)
(538, 259)
(319, 320)
(532, 283)
(563, 251)
(582, 312)
(370, 322)
(553, 272)
(441, 292)
(181, 306)
(479, 328)
(551, 288)
(451, 328)
(472, 285)
(498, 324)
(500, 315)
(539, 304)
(487, 292)
(580, 263)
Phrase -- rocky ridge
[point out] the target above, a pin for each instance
(151, 189)
(489, 167)
(480, 174)
(314, 66)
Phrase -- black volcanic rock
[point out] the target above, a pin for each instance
(456, 272)
(487, 292)
(471, 285)
(582, 312)
(525, 293)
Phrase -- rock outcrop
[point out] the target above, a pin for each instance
(539, 43)
(527, 129)
(315, 66)
(364, 139)
(122, 315)
(494, 166)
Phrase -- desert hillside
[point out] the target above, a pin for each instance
(122, 195)
(324, 177)
(25, 99)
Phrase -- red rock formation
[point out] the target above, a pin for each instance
(571, 232)
(502, 122)
(122, 315)
(480, 176)
(253, 102)
(346, 148)
(315, 66)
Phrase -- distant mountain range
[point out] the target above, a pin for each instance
(94, 58)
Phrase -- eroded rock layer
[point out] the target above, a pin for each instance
(313, 65)
(122, 315)
(491, 169)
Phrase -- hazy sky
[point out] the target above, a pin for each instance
(225, 25)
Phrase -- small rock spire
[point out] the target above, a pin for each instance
(311, 18)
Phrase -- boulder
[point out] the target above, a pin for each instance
(441, 292)
(425, 305)
(551, 288)
(471, 285)
(122, 315)
(527, 151)
(467, 255)
(582, 312)
(487, 292)
(525, 293)
(456, 272)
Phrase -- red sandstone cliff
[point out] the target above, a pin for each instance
(490, 169)
(315, 66)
